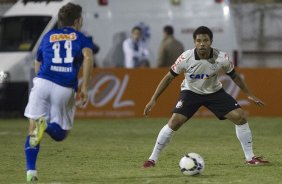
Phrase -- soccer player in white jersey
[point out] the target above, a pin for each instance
(51, 104)
(201, 87)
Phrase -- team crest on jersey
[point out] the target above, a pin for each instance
(179, 104)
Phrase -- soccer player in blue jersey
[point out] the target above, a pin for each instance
(51, 104)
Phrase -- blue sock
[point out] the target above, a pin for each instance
(56, 132)
(31, 155)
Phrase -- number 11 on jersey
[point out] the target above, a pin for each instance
(68, 48)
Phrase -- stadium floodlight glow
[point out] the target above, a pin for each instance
(226, 11)
(170, 15)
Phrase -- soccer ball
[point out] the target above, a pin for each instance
(191, 164)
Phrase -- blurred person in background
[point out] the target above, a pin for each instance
(170, 48)
(51, 104)
(135, 50)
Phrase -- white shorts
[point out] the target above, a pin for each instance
(56, 103)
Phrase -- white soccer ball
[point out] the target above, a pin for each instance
(191, 164)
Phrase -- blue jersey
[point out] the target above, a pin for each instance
(60, 54)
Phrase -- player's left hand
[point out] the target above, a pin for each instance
(257, 101)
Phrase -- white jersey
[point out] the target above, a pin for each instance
(201, 75)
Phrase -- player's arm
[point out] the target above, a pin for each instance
(36, 66)
(39, 56)
(243, 86)
(177, 68)
(88, 61)
(167, 79)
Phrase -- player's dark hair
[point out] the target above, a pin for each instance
(168, 30)
(203, 30)
(136, 28)
(68, 14)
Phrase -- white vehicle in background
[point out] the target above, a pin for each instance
(108, 22)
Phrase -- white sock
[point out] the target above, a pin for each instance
(162, 140)
(244, 135)
(32, 172)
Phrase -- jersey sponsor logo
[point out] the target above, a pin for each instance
(62, 37)
(199, 76)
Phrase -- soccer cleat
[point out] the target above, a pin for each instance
(149, 163)
(257, 161)
(31, 178)
(37, 134)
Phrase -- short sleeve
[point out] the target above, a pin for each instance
(39, 54)
(87, 43)
(227, 64)
(179, 65)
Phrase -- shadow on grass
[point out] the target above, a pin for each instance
(168, 176)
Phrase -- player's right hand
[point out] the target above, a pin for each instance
(83, 98)
(149, 107)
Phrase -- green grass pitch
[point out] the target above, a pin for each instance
(113, 151)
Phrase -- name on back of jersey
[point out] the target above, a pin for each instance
(60, 68)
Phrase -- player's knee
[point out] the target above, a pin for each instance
(55, 131)
(176, 121)
(238, 117)
(60, 137)
(241, 120)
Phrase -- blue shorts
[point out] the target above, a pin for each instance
(220, 103)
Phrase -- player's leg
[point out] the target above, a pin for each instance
(183, 111)
(61, 112)
(36, 108)
(164, 137)
(225, 106)
(56, 132)
(243, 131)
(31, 153)
(244, 135)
